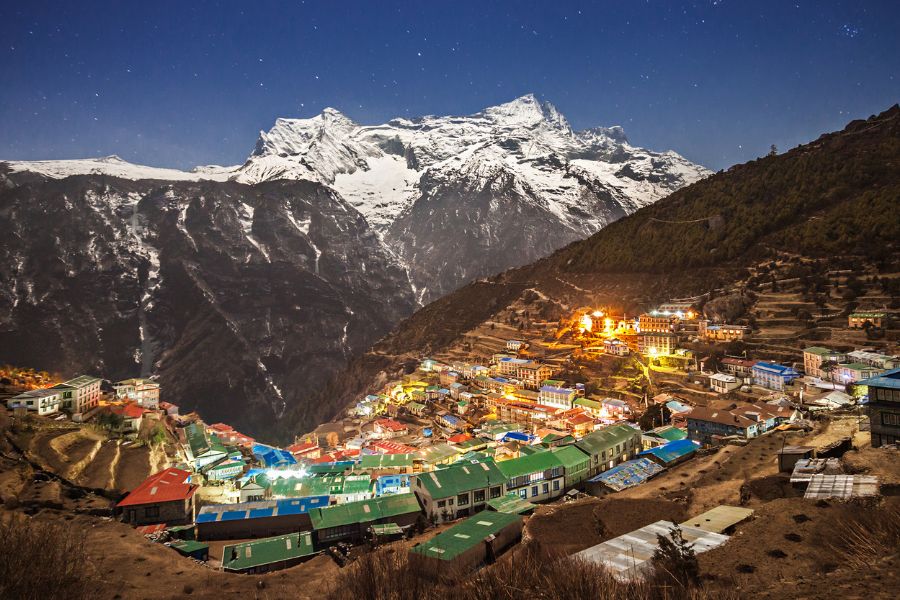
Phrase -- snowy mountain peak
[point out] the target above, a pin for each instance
(526, 111)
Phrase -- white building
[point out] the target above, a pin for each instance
(556, 396)
(722, 383)
(79, 395)
(143, 391)
(43, 402)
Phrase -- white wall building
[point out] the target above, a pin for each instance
(43, 402)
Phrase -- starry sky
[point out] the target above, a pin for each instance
(179, 84)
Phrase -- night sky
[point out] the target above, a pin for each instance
(186, 83)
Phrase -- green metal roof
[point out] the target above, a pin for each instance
(237, 557)
(602, 440)
(858, 367)
(462, 477)
(511, 503)
(363, 511)
(415, 406)
(532, 463)
(571, 457)
(197, 439)
(385, 461)
(819, 351)
(473, 444)
(188, 546)
(526, 449)
(460, 538)
(438, 453)
(80, 381)
(587, 403)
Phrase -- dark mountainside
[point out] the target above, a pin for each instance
(242, 298)
(839, 195)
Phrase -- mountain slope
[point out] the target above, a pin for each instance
(241, 298)
(833, 201)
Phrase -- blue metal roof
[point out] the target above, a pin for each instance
(556, 390)
(672, 451)
(888, 379)
(260, 509)
(628, 474)
(776, 368)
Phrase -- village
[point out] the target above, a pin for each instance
(468, 443)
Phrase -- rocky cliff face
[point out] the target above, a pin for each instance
(241, 298)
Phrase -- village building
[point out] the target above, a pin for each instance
(576, 464)
(43, 402)
(858, 320)
(143, 391)
(269, 554)
(852, 372)
(816, 356)
(535, 477)
(707, 425)
(616, 347)
(739, 367)
(875, 359)
(166, 497)
(559, 397)
(200, 448)
(722, 383)
(656, 323)
(773, 376)
(350, 521)
(459, 490)
(529, 372)
(722, 332)
(465, 546)
(514, 345)
(623, 476)
(132, 416)
(657, 344)
(884, 407)
(308, 449)
(610, 446)
(672, 453)
(257, 519)
(79, 395)
(389, 428)
(438, 454)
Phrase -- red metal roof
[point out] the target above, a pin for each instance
(166, 486)
(459, 438)
(130, 411)
(390, 424)
(391, 447)
(302, 447)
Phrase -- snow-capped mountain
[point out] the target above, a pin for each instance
(454, 197)
(462, 197)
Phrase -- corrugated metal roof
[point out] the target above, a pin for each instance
(363, 511)
(462, 477)
(463, 536)
(237, 557)
(628, 556)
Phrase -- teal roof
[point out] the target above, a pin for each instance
(511, 503)
(464, 536)
(461, 477)
(888, 379)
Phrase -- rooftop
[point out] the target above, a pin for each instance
(628, 474)
(461, 477)
(214, 513)
(363, 511)
(237, 557)
(463, 536)
(170, 485)
(888, 379)
(719, 518)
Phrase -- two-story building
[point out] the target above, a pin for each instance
(42, 402)
(741, 368)
(459, 490)
(816, 356)
(884, 407)
(847, 373)
(773, 376)
(859, 319)
(722, 383)
(610, 446)
(616, 347)
(535, 477)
